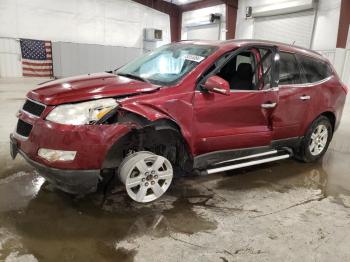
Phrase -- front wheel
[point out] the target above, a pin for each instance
(316, 141)
(146, 176)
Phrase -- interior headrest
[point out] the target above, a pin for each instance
(244, 71)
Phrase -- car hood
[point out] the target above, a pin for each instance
(88, 87)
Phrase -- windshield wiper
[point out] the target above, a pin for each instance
(134, 77)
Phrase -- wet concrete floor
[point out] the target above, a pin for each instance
(283, 211)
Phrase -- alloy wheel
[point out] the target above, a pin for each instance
(318, 141)
(146, 176)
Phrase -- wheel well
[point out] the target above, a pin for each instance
(161, 137)
(331, 117)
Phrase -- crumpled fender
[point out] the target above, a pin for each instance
(167, 111)
(146, 110)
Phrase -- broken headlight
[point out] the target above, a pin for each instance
(82, 113)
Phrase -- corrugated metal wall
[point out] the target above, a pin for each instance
(346, 68)
(68, 58)
(10, 58)
(73, 59)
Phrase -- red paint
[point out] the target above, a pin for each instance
(217, 85)
(209, 121)
(87, 87)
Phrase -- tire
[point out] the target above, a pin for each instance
(316, 140)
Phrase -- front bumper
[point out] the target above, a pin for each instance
(90, 142)
(70, 181)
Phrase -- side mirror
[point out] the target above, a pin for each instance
(218, 85)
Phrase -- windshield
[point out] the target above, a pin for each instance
(166, 65)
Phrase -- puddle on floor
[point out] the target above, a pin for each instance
(330, 175)
(51, 225)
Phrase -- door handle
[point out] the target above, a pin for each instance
(268, 105)
(305, 97)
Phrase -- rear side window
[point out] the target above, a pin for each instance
(314, 70)
(289, 69)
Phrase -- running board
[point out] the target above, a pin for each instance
(272, 152)
(249, 163)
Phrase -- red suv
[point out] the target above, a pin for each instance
(201, 107)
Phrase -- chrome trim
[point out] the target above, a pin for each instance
(30, 114)
(268, 105)
(19, 137)
(251, 163)
(220, 90)
(36, 102)
(248, 157)
(307, 84)
(274, 89)
(305, 97)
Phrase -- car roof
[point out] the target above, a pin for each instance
(235, 43)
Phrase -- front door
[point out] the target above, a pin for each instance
(244, 118)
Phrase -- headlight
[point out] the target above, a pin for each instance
(56, 155)
(82, 113)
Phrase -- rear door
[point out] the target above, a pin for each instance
(293, 98)
(244, 118)
(299, 77)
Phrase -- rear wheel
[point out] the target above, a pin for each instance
(316, 140)
(146, 176)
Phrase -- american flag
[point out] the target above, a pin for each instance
(36, 58)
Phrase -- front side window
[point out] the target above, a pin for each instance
(167, 65)
(314, 70)
(289, 69)
(239, 71)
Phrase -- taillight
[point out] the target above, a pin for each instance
(346, 89)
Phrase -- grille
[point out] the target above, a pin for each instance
(23, 128)
(33, 108)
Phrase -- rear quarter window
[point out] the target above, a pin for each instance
(314, 70)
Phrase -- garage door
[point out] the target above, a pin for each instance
(287, 28)
(204, 32)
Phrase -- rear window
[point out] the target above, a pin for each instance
(314, 70)
(289, 69)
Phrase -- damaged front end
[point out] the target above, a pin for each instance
(161, 136)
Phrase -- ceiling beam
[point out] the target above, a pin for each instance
(160, 5)
(344, 22)
(207, 3)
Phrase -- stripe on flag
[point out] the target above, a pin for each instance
(36, 58)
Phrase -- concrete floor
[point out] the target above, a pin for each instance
(285, 211)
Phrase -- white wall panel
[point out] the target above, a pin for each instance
(329, 54)
(348, 39)
(190, 18)
(106, 22)
(295, 28)
(10, 58)
(204, 32)
(346, 68)
(326, 26)
(75, 59)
